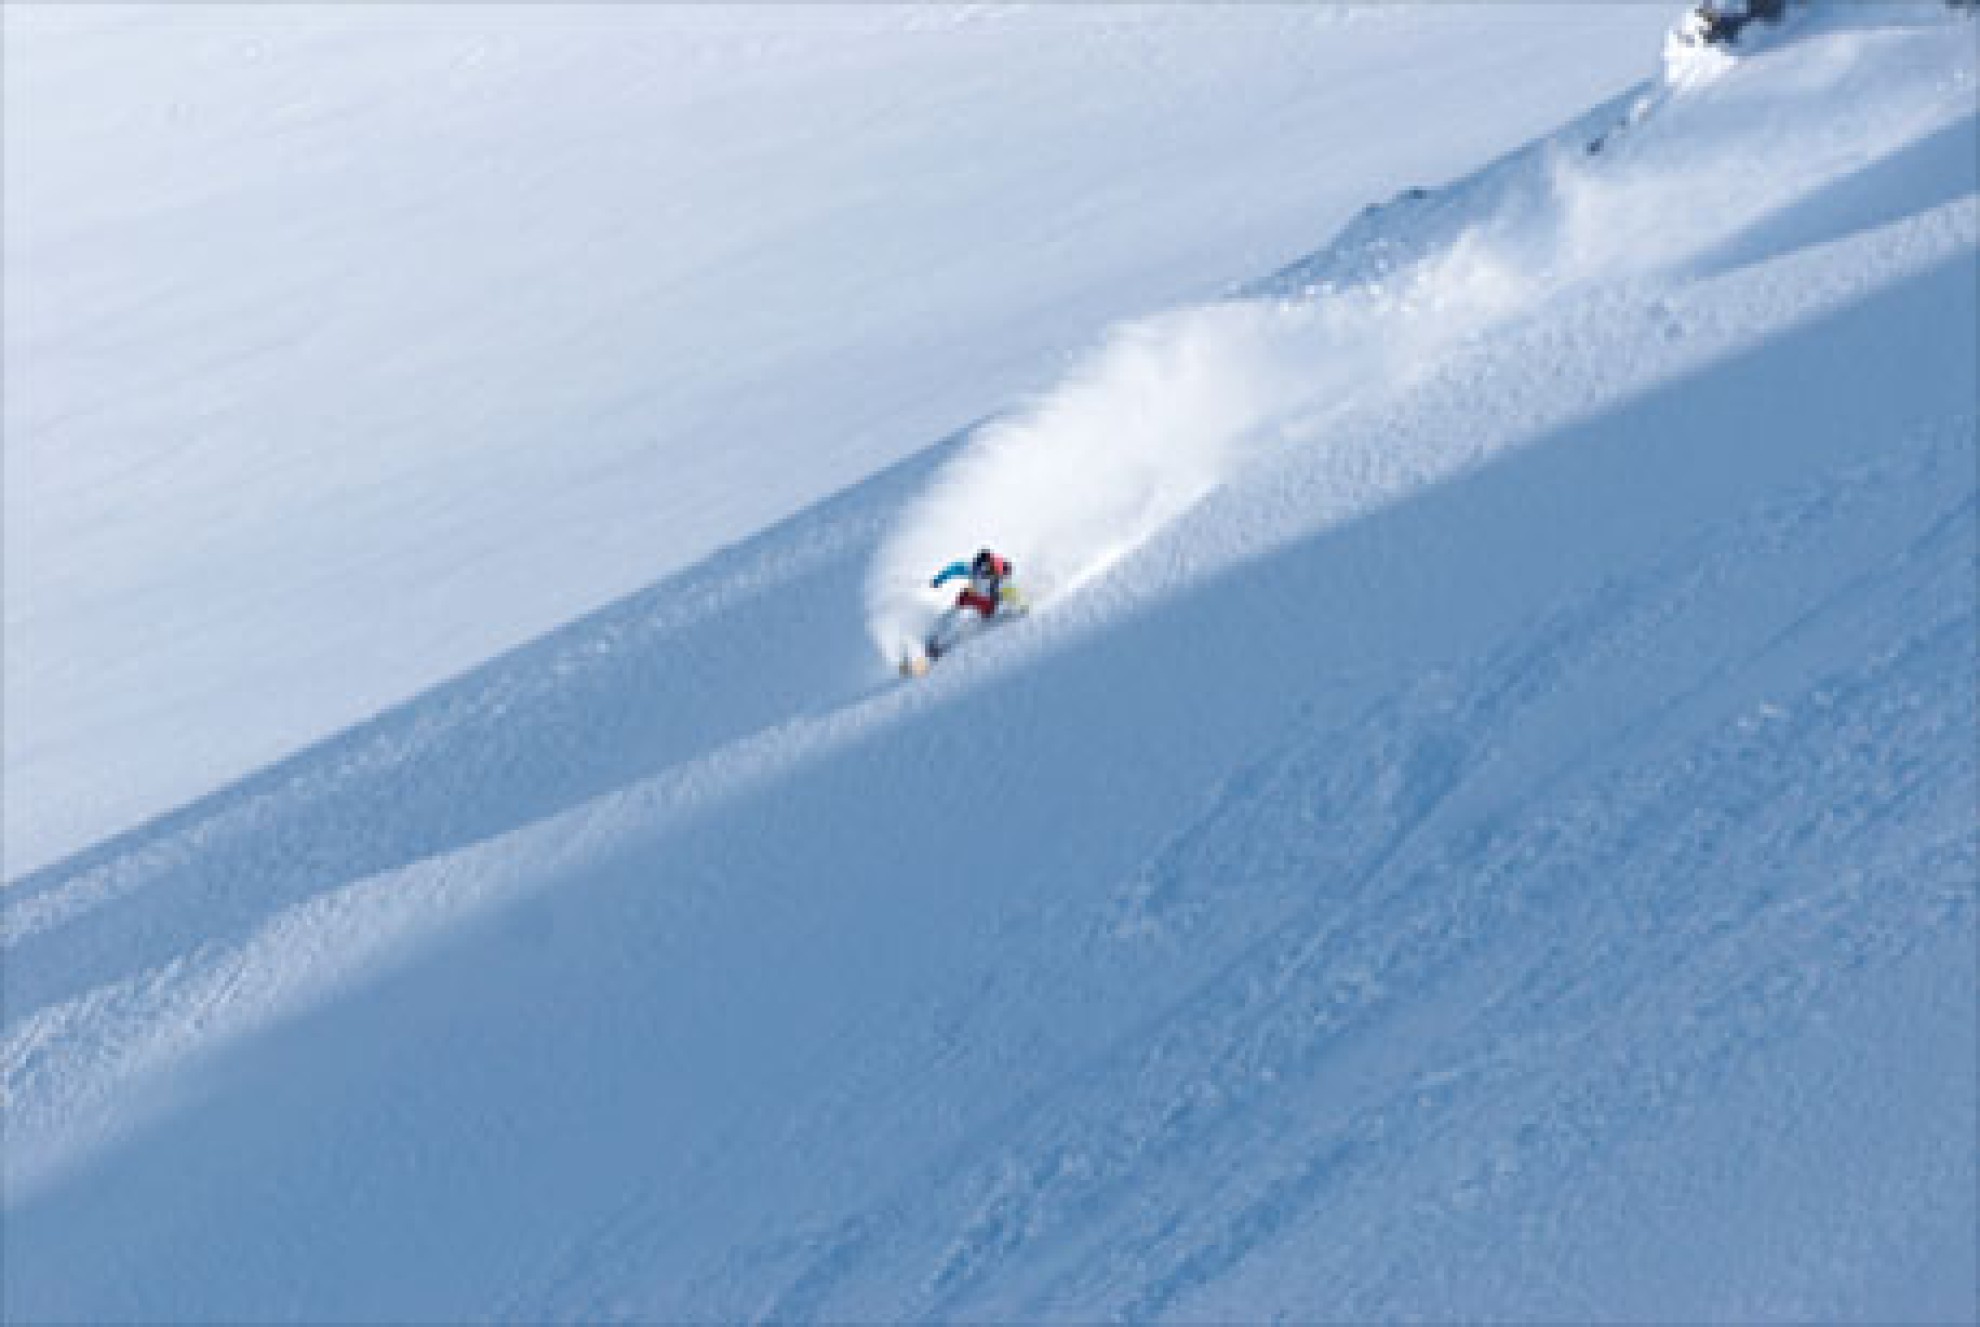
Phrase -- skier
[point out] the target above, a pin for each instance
(988, 593)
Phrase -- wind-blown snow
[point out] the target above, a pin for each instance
(1168, 408)
(1502, 848)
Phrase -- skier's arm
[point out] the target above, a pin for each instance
(949, 573)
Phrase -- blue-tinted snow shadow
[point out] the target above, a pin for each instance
(639, 1030)
(1939, 168)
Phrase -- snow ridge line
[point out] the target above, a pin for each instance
(159, 1016)
(162, 1016)
(1169, 409)
(77, 1060)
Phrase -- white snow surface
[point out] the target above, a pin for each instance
(347, 346)
(1502, 847)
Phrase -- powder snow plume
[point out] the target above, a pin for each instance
(1143, 429)
(1167, 408)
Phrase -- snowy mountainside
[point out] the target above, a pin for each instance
(1501, 847)
(1169, 406)
(348, 346)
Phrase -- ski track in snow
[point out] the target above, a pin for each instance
(1058, 1195)
(1476, 896)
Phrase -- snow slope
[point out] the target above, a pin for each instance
(1508, 851)
(347, 346)
(1169, 406)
